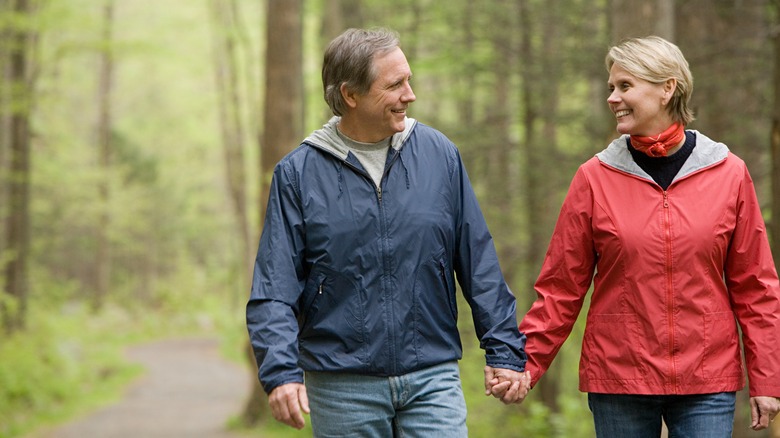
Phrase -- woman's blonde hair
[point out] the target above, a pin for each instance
(656, 60)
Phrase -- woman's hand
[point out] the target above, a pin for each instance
(763, 411)
(509, 386)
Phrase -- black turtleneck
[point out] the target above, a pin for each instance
(664, 169)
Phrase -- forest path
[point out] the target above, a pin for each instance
(187, 390)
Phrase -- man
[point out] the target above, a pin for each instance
(368, 222)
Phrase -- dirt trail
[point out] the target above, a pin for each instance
(188, 390)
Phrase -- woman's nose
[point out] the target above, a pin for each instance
(613, 97)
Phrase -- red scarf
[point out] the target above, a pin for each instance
(659, 145)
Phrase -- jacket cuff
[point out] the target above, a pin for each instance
(507, 363)
(291, 377)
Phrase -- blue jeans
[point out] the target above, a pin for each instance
(639, 416)
(424, 403)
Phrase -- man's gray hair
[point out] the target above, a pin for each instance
(349, 60)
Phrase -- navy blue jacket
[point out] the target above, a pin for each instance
(354, 278)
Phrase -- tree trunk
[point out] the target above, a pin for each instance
(532, 174)
(500, 163)
(727, 112)
(637, 18)
(340, 15)
(14, 303)
(5, 138)
(540, 103)
(283, 114)
(282, 124)
(228, 73)
(774, 225)
(104, 127)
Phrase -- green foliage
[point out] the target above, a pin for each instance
(71, 359)
(166, 209)
(65, 364)
(176, 261)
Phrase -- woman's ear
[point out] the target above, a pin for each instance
(669, 87)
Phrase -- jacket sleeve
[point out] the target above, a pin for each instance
(754, 292)
(276, 286)
(564, 280)
(476, 265)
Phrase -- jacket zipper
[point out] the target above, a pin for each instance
(377, 189)
(386, 286)
(310, 302)
(670, 292)
(389, 309)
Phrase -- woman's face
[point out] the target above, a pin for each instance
(640, 107)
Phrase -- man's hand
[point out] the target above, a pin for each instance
(763, 411)
(507, 385)
(287, 401)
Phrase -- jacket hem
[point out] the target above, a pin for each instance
(639, 387)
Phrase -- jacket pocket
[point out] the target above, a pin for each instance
(721, 346)
(434, 286)
(612, 348)
(435, 309)
(445, 273)
(331, 321)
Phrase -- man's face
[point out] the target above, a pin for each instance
(380, 112)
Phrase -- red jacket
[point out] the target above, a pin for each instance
(672, 271)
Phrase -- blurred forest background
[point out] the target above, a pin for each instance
(137, 138)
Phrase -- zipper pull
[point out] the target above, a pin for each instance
(319, 290)
(666, 199)
(379, 193)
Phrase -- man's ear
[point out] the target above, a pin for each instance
(349, 96)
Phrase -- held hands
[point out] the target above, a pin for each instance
(763, 411)
(507, 385)
(287, 401)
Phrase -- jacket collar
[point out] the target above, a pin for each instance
(327, 138)
(706, 153)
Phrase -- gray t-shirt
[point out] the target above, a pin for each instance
(372, 156)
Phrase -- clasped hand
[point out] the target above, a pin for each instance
(289, 401)
(507, 385)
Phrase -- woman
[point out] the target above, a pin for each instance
(668, 221)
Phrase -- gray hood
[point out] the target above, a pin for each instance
(327, 138)
(706, 153)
